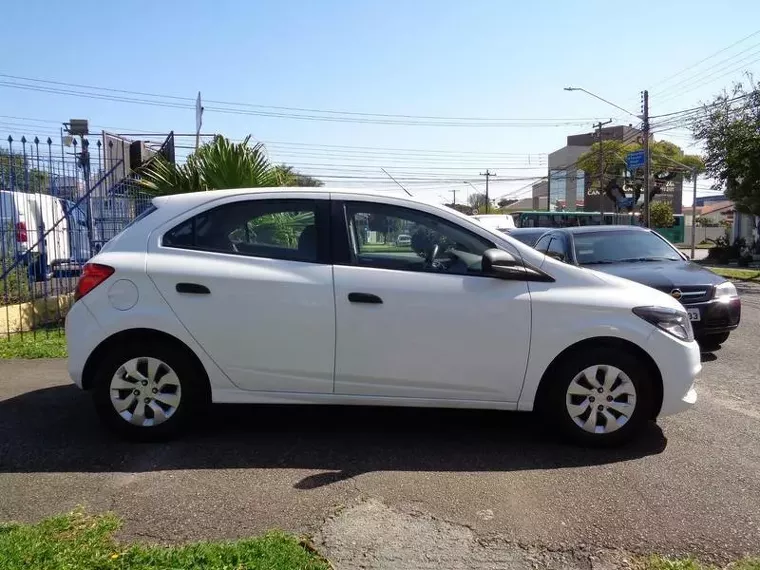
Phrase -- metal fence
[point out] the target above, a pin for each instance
(58, 205)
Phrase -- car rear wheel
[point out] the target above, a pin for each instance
(599, 399)
(147, 393)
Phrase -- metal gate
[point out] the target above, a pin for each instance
(58, 206)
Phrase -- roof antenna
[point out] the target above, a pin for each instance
(396, 181)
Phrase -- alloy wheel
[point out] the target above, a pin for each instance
(601, 399)
(145, 391)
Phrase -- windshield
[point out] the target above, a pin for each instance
(622, 246)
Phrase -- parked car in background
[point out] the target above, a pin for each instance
(48, 233)
(642, 255)
(14, 225)
(499, 222)
(404, 240)
(529, 236)
(271, 296)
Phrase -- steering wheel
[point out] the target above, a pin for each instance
(430, 256)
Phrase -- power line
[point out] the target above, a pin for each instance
(697, 76)
(665, 80)
(279, 112)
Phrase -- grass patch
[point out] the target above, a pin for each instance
(44, 344)
(737, 274)
(79, 541)
(663, 563)
(385, 248)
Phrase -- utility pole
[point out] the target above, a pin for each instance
(488, 175)
(455, 196)
(599, 126)
(693, 212)
(645, 129)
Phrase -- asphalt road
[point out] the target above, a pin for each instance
(690, 485)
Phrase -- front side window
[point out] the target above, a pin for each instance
(391, 237)
(557, 249)
(542, 244)
(277, 229)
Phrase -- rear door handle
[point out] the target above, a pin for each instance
(193, 288)
(365, 298)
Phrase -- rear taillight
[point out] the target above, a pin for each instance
(93, 274)
(21, 232)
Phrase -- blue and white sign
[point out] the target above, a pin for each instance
(635, 159)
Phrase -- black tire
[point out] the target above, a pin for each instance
(553, 405)
(713, 341)
(193, 384)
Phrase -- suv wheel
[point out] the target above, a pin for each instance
(147, 393)
(601, 398)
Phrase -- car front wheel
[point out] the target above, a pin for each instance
(147, 393)
(601, 398)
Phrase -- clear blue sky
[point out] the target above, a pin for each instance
(483, 58)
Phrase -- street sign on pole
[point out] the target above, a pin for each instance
(635, 159)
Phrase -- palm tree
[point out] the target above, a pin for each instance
(216, 165)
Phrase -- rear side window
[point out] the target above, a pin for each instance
(275, 229)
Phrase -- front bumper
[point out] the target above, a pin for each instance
(716, 316)
(680, 364)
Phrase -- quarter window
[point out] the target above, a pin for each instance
(277, 229)
(392, 237)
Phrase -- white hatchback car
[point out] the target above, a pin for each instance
(270, 296)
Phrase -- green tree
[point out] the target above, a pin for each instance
(293, 178)
(478, 201)
(729, 129)
(661, 215)
(504, 202)
(216, 165)
(702, 221)
(17, 173)
(614, 167)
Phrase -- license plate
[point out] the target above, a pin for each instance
(693, 314)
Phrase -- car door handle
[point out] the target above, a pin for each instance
(193, 288)
(365, 298)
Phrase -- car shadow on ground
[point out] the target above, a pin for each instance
(56, 430)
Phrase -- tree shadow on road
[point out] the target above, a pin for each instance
(56, 430)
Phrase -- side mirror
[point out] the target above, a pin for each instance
(499, 263)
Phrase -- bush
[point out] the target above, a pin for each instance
(14, 287)
(661, 215)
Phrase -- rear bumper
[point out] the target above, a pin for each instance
(680, 364)
(82, 335)
(716, 316)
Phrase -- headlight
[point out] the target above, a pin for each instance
(725, 290)
(672, 321)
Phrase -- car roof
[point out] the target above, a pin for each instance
(190, 199)
(596, 229)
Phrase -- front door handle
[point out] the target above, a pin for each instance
(193, 288)
(365, 298)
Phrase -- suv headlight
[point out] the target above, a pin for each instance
(672, 321)
(725, 290)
